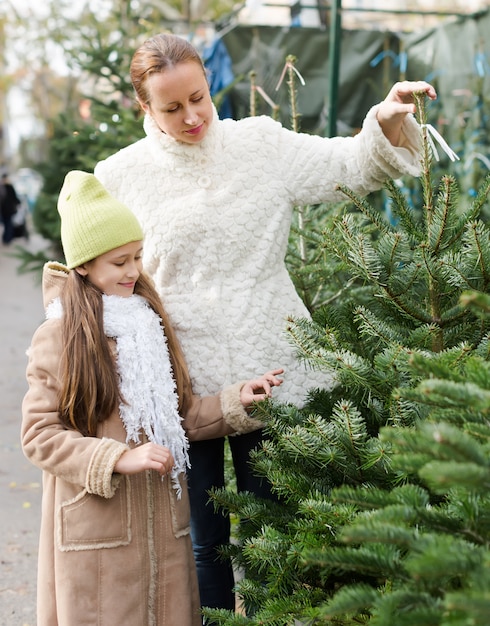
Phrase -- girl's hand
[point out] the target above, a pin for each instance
(260, 388)
(400, 101)
(149, 456)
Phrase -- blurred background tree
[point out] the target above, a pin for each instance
(83, 103)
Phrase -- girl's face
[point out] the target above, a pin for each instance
(115, 273)
(180, 102)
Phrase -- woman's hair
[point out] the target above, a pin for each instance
(90, 389)
(156, 55)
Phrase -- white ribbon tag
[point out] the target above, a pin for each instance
(284, 70)
(433, 133)
(270, 102)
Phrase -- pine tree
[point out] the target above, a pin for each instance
(383, 511)
(101, 53)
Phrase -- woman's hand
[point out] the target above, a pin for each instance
(260, 388)
(400, 101)
(149, 456)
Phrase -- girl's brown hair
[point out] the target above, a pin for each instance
(90, 383)
(156, 55)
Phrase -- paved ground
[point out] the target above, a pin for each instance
(21, 312)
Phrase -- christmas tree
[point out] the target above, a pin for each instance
(383, 513)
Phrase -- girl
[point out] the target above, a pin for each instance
(215, 200)
(101, 418)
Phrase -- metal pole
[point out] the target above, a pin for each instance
(334, 63)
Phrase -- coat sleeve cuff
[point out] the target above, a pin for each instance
(233, 412)
(101, 480)
(393, 160)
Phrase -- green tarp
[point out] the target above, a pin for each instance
(455, 57)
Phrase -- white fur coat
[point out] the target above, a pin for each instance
(216, 218)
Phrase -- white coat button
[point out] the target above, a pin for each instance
(204, 182)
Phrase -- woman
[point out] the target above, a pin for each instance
(215, 200)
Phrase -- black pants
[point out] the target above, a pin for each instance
(209, 530)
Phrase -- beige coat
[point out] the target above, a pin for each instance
(114, 550)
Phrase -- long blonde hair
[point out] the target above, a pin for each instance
(90, 384)
(156, 55)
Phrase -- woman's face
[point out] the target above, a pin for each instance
(180, 102)
(115, 272)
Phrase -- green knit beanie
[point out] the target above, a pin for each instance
(92, 221)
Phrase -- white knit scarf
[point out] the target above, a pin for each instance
(146, 381)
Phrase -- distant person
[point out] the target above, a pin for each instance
(215, 199)
(102, 418)
(9, 203)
